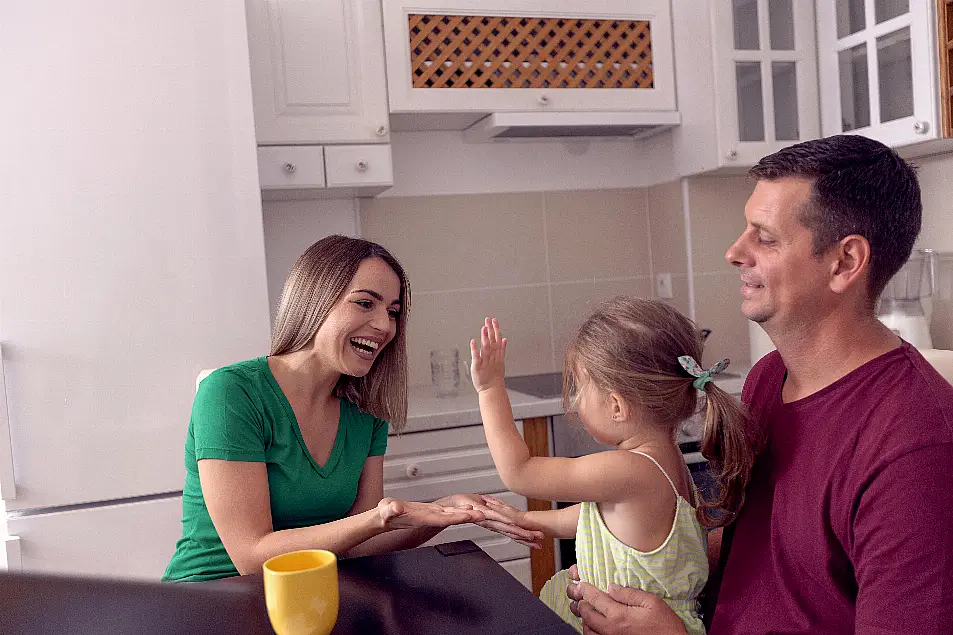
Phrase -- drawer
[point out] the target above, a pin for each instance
(357, 166)
(424, 466)
(521, 570)
(423, 443)
(290, 167)
(499, 547)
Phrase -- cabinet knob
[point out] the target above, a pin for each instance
(381, 131)
(289, 167)
(731, 155)
(543, 99)
(921, 127)
(413, 470)
(361, 166)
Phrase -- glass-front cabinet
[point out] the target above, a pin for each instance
(766, 76)
(878, 69)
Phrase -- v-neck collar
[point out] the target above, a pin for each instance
(339, 437)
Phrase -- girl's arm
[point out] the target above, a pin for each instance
(238, 500)
(556, 523)
(601, 477)
(370, 491)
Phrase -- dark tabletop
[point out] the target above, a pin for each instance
(452, 588)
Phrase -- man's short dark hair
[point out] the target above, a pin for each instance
(860, 186)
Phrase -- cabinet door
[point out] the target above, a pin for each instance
(317, 71)
(525, 55)
(878, 66)
(765, 78)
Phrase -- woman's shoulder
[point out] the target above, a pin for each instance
(356, 413)
(247, 376)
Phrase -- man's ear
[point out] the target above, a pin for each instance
(850, 263)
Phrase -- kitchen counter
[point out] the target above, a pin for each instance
(427, 411)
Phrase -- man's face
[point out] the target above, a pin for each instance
(783, 282)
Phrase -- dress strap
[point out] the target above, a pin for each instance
(667, 477)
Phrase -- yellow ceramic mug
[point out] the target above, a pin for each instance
(301, 592)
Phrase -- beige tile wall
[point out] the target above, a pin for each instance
(538, 261)
(716, 215)
(937, 233)
(668, 245)
(716, 206)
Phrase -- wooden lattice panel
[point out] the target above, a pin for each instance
(468, 51)
(945, 31)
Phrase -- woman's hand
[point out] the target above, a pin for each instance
(486, 362)
(621, 611)
(398, 514)
(500, 517)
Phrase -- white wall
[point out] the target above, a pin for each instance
(293, 226)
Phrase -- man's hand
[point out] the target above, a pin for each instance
(621, 611)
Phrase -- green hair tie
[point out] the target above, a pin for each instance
(702, 377)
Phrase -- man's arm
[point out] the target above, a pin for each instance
(902, 548)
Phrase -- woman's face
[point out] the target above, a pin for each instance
(363, 321)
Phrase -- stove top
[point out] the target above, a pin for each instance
(542, 386)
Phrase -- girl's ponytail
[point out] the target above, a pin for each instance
(729, 448)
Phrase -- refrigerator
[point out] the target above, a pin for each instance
(131, 257)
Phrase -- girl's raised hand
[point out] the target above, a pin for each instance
(486, 361)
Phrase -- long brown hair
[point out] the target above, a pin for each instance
(631, 346)
(317, 281)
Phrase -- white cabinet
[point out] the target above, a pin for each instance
(290, 167)
(747, 80)
(424, 466)
(358, 166)
(525, 55)
(317, 71)
(765, 77)
(878, 69)
(314, 172)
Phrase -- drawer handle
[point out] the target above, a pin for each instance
(413, 470)
(361, 166)
(290, 167)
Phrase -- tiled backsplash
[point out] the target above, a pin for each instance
(538, 261)
(541, 261)
(716, 217)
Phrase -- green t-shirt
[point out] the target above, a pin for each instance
(241, 414)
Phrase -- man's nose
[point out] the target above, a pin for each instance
(737, 254)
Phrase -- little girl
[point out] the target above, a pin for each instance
(631, 375)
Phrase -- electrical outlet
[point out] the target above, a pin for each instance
(663, 286)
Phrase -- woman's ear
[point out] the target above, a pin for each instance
(850, 264)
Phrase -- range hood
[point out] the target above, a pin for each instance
(503, 126)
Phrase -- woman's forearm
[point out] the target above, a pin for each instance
(398, 539)
(339, 536)
(395, 540)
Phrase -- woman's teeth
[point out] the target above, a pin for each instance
(364, 344)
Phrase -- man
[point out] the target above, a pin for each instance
(847, 525)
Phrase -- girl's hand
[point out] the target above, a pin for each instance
(486, 362)
(398, 514)
(505, 519)
(502, 518)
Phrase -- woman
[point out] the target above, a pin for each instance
(285, 452)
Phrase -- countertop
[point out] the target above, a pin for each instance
(427, 411)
